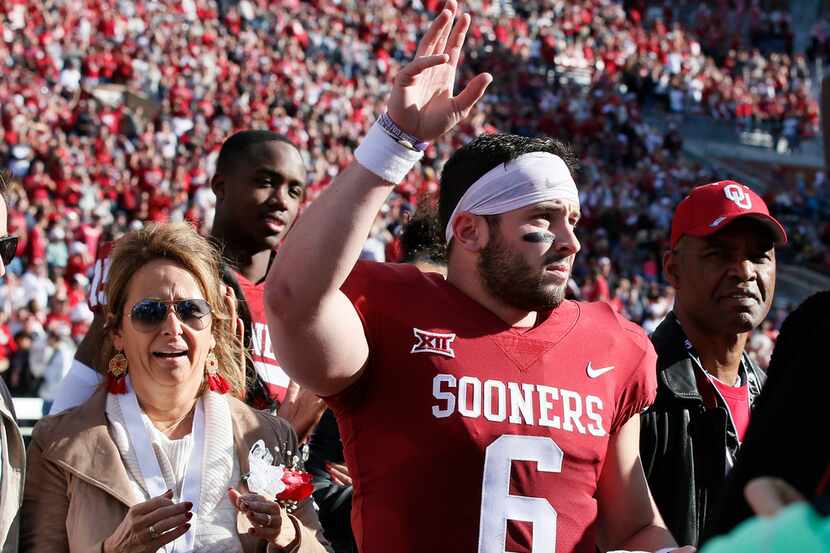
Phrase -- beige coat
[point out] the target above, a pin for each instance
(77, 489)
(12, 473)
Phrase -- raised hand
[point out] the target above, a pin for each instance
(150, 525)
(422, 101)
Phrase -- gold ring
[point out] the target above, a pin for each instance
(268, 522)
(153, 533)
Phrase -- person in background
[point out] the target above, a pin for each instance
(12, 450)
(783, 440)
(722, 267)
(51, 358)
(19, 378)
(171, 439)
(421, 239)
(259, 186)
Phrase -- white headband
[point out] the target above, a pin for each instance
(527, 180)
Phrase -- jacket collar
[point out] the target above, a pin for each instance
(82, 445)
(675, 368)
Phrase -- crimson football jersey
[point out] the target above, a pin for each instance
(262, 353)
(464, 434)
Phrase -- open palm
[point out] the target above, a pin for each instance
(422, 101)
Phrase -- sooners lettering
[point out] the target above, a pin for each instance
(527, 404)
(433, 342)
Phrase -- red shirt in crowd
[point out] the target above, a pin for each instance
(737, 399)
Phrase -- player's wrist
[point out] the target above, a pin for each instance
(386, 156)
(405, 139)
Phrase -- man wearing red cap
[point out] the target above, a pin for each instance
(722, 265)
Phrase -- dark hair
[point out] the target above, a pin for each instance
(422, 238)
(485, 152)
(239, 144)
(785, 435)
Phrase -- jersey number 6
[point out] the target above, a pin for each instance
(498, 506)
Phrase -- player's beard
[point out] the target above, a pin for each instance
(511, 279)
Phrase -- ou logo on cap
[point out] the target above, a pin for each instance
(735, 192)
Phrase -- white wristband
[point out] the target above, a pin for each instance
(384, 156)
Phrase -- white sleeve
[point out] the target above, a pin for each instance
(78, 385)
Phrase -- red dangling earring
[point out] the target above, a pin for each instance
(116, 381)
(216, 382)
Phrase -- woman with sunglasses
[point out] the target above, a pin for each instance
(154, 459)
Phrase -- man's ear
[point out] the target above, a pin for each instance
(470, 232)
(217, 184)
(670, 261)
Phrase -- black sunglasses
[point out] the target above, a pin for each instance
(8, 247)
(148, 315)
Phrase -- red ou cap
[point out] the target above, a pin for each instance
(709, 208)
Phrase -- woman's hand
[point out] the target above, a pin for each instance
(269, 519)
(150, 525)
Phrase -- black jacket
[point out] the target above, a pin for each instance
(334, 501)
(682, 441)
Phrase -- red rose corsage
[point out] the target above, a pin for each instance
(287, 485)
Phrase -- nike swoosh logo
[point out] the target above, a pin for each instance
(594, 373)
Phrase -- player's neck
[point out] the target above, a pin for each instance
(720, 354)
(252, 265)
(469, 283)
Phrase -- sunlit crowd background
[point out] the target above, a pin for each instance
(112, 114)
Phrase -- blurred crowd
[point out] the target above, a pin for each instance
(709, 62)
(112, 114)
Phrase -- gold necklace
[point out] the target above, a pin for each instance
(176, 423)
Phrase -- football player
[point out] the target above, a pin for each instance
(482, 412)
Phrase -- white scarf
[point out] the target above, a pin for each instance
(527, 180)
(211, 458)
